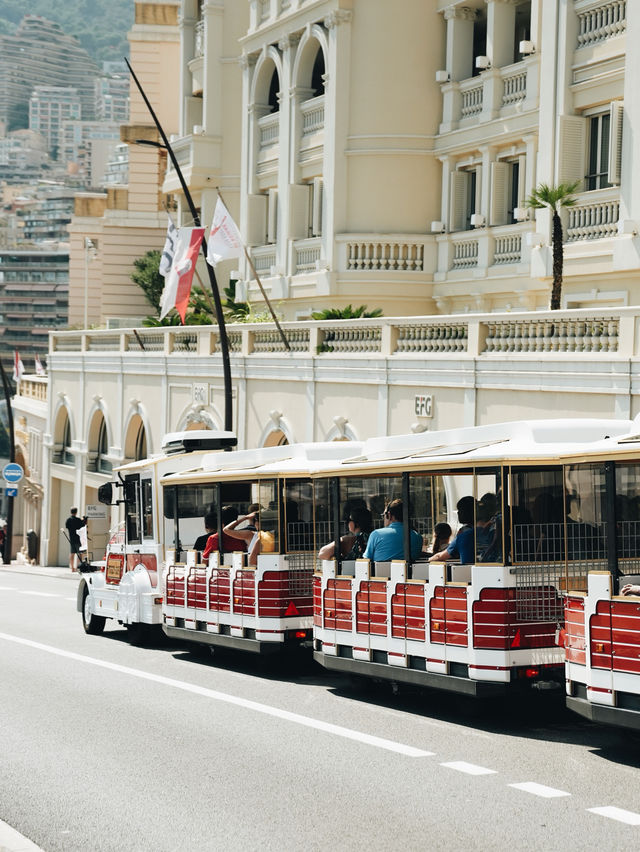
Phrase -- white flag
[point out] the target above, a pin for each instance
(169, 248)
(225, 241)
(177, 284)
(40, 371)
(18, 367)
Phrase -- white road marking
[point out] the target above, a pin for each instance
(10, 839)
(38, 594)
(618, 814)
(296, 718)
(469, 768)
(539, 790)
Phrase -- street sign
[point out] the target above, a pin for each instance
(11, 492)
(12, 472)
(95, 510)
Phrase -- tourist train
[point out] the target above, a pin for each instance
(544, 518)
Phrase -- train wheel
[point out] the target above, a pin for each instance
(93, 624)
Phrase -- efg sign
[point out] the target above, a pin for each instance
(423, 405)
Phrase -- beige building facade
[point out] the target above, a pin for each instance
(374, 153)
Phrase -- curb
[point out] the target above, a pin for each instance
(42, 571)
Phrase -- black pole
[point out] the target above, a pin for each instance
(611, 523)
(406, 521)
(334, 502)
(222, 328)
(6, 552)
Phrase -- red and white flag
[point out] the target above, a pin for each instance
(169, 248)
(225, 241)
(40, 371)
(18, 367)
(177, 284)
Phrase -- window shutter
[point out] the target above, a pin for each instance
(572, 148)
(615, 142)
(500, 193)
(256, 220)
(299, 211)
(272, 216)
(458, 203)
(316, 207)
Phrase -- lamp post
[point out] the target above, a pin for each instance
(6, 552)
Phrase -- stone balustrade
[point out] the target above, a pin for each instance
(472, 97)
(594, 217)
(514, 87)
(306, 255)
(602, 22)
(269, 127)
(386, 254)
(612, 331)
(312, 112)
(264, 258)
(34, 387)
(465, 253)
(508, 249)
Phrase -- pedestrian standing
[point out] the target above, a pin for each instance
(73, 524)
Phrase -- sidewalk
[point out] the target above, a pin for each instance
(43, 570)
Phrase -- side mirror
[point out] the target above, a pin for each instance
(105, 493)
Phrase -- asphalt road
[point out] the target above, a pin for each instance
(106, 746)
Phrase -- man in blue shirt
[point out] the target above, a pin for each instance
(387, 543)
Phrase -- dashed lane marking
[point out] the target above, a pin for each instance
(539, 790)
(267, 710)
(468, 768)
(618, 814)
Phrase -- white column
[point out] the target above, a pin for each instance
(630, 186)
(186, 26)
(501, 27)
(460, 41)
(336, 128)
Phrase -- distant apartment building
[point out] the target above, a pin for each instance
(49, 107)
(112, 98)
(39, 53)
(117, 170)
(86, 147)
(47, 215)
(34, 297)
(23, 153)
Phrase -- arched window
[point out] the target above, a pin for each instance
(277, 438)
(274, 88)
(103, 465)
(66, 456)
(317, 75)
(141, 443)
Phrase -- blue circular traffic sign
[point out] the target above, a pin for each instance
(12, 472)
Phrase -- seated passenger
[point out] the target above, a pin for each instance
(488, 529)
(210, 527)
(462, 546)
(630, 589)
(229, 544)
(441, 537)
(352, 545)
(387, 543)
(255, 540)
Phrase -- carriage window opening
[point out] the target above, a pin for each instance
(489, 527)
(585, 512)
(147, 508)
(537, 515)
(299, 515)
(132, 490)
(628, 517)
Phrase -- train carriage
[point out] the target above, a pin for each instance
(486, 624)
(225, 600)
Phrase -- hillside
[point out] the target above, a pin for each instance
(100, 26)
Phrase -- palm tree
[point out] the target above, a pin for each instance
(554, 198)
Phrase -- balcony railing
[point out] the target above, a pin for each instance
(514, 87)
(602, 22)
(269, 129)
(312, 115)
(508, 249)
(390, 254)
(472, 97)
(465, 253)
(264, 258)
(609, 331)
(594, 217)
(306, 254)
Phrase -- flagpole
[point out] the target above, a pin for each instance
(264, 295)
(6, 552)
(222, 328)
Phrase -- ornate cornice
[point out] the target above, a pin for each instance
(337, 17)
(463, 13)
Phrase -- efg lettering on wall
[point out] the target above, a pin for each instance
(200, 394)
(423, 405)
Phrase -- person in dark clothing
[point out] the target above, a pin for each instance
(210, 527)
(73, 524)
